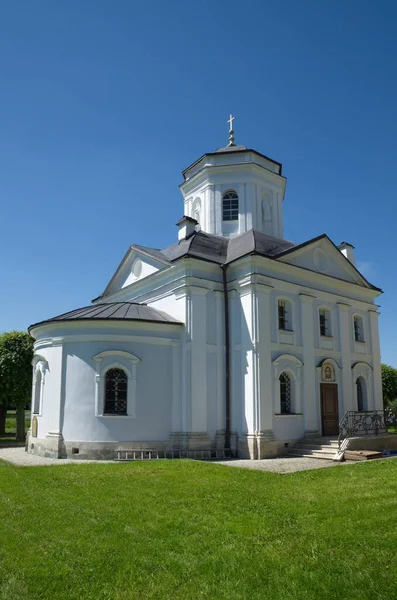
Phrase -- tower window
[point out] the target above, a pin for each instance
(230, 206)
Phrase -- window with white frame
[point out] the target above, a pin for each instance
(325, 322)
(284, 315)
(230, 206)
(285, 394)
(115, 384)
(358, 329)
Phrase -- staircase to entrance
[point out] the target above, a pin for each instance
(318, 447)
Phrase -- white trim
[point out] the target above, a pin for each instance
(97, 337)
(289, 357)
(123, 353)
(40, 365)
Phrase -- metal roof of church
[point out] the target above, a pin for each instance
(225, 250)
(114, 311)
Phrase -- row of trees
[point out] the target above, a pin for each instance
(16, 354)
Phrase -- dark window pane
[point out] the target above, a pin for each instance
(116, 384)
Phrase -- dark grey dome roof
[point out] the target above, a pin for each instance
(114, 311)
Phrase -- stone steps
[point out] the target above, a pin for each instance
(323, 448)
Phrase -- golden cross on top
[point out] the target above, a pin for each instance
(231, 131)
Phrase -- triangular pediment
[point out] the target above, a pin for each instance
(138, 263)
(322, 256)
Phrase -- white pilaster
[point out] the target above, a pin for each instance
(220, 360)
(346, 402)
(263, 357)
(218, 209)
(375, 350)
(311, 399)
(198, 365)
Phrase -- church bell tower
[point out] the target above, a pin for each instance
(233, 190)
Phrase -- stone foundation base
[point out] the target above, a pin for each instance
(386, 441)
(251, 446)
(262, 445)
(190, 441)
(54, 446)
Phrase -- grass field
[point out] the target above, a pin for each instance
(186, 530)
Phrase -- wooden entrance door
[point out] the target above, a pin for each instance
(329, 408)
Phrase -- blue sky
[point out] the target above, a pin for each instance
(103, 104)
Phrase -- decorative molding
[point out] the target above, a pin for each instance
(86, 337)
(106, 353)
(289, 357)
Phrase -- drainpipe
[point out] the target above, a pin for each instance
(227, 359)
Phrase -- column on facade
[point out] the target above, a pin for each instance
(220, 368)
(195, 369)
(377, 398)
(257, 426)
(346, 401)
(310, 401)
(54, 437)
(236, 408)
(176, 388)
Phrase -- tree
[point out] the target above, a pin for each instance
(16, 354)
(389, 384)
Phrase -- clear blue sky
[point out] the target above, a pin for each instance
(102, 104)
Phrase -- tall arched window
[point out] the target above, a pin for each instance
(116, 383)
(230, 206)
(285, 394)
(361, 394)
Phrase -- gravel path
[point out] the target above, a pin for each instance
(282, 465)
(18, 456)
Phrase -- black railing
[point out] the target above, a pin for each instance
(356, 424)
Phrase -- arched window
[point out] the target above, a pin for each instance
(361, 394)
(285, 394)
(116, 384)
(230, 206)
(358, 329)
(37, 392)
(325, 322)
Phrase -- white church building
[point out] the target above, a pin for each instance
(233, 337)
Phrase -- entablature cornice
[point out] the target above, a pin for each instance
(306, 283)
(239, 171)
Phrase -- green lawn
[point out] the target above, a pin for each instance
(187, 530)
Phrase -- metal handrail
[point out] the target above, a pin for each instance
(360, 423)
